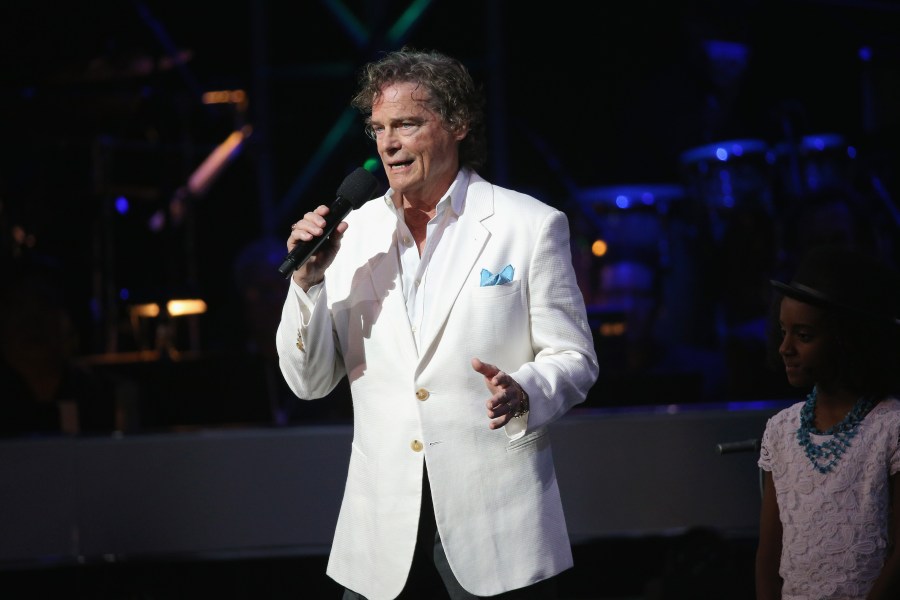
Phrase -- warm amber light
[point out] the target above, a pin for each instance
(145, 310)
(178, 308)
(201, 179)
(599, 248)
(225, 97)
(612, 329)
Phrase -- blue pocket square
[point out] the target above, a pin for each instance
(504, 276)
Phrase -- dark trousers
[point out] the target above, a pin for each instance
(430, 577)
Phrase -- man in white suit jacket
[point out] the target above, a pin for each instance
(405, 297)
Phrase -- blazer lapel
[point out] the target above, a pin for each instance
(384, 271)
(468, 242)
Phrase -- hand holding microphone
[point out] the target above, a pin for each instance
(317, 236)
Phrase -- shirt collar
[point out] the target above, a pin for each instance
(456, 194)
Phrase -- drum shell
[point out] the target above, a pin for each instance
(729, 175)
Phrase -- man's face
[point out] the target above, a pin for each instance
(420, 156)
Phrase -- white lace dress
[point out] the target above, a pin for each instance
(835, 525)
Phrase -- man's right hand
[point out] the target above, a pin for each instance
(312, 272)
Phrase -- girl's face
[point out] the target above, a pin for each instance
(808, 344)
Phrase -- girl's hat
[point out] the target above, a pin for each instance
(841, 278)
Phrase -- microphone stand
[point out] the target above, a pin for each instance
(750, 445)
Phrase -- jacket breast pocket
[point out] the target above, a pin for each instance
(496, 317)
(488, 292)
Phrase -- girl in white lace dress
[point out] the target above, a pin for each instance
(830, 515)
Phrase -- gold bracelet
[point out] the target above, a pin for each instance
(522, 408)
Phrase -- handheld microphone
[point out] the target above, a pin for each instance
(356, 189)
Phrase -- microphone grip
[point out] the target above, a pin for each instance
(743, 446)
(299, 255)
(339, 209)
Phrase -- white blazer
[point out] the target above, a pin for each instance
(495, 494)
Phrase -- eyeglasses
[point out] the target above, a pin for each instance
(404, 129)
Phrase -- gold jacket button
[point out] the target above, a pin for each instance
(416, 445)
(422, 394)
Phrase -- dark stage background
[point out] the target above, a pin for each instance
(705, 143)
(127, 183)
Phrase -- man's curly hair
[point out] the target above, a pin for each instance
(453, 94)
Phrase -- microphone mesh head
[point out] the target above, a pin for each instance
(358, 187)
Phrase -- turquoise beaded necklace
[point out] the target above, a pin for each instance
(826, 455)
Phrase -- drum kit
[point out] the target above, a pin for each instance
(734, 175)
(718, 180)
(677, 228)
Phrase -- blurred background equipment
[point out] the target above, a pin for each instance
(149, 157)
(145, 151)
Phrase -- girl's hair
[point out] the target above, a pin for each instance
(859, 295)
